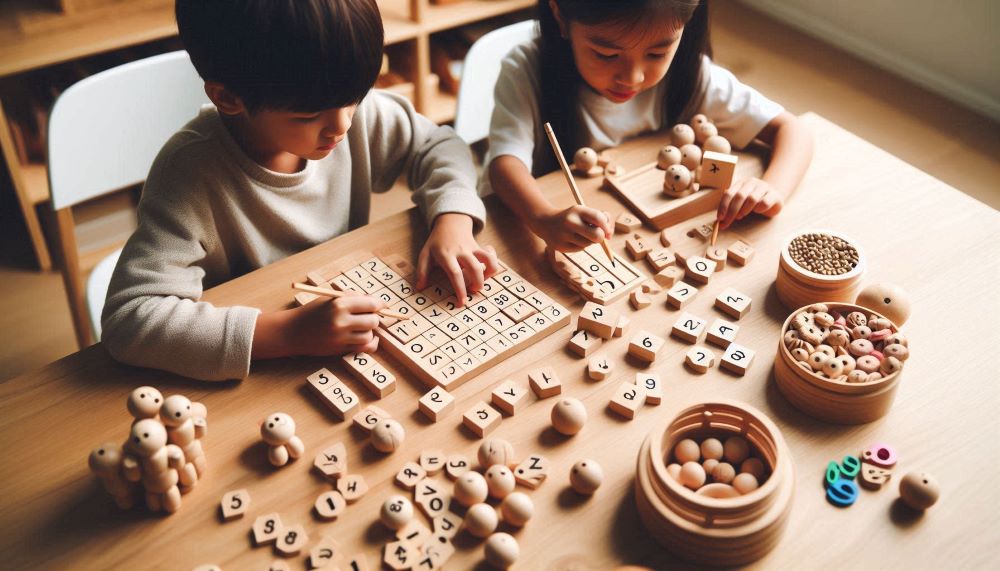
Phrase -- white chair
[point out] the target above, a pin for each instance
(104, 133)
(479, 76)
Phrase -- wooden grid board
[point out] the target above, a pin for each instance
(592, 274)
(443, 344)
(642, 191)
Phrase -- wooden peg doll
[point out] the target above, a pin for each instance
(176, 416)
(278, 430)
(199, 415)
(144, 402)
(105, 462)
(156, 464)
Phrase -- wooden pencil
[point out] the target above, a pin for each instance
(334, 293)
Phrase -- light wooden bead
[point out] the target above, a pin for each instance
(681, 135)
(568, 416)
(719, 491)
(667, 157)
(712, 449)
(718, 144)
(857, 376)
(388, 435)
(838, 338)
(471, 488)
(692, 475)
(860, 347)
(817, 359)
(919, 490)
(687, 450)
(501, 550)
(745, 483)
(890, 300)
(736, 449)
(691, 156)
(496, 451)
(724, 473)
(867, 364)
(833, 368)
(500, 481)
(674, 470)
(481, 520)
(586, 476)
(585, 159)
(704, 131)
(397, 511)
(517, 508)
(144, 402)
(677, 179)
(753, 466)
(889, 366)
(896, 350)
(848, 362)
(698, 120)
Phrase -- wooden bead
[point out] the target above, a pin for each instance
(681, 135)
(677, 179)
(500, 481)
(397, 511)
(687, 450)
(501, 550)
(692, 475)
(817, 359)
(711, 449)
(856, 318)
(718, 144)
(667, 157)
(890, 300)
(753, 466)
(517, 508)
(496, 451)
(919, 490)
(691, 156)
(674, 470)
(889, 366)
(704, 131)
(896, 350)
(470, 488)
(586, 476)
(481, 520)
(387, 436)
(584, 159)
(568, 416)
(709, 465)
(736, 449)
(867, 364)
(860, 347)
(745, 483)
(724, 473)
(718, 490)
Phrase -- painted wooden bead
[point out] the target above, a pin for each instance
(481, 520)
(848, 362)
(856, 318)
(585, 159)
(397, 511)
(712, 449)
(470, 488)
(691, 156)
(586, 476)
(827, 350)
(861, 332)
(496, 451)
(388, 435)
(724, 473)
(801, 355)
(687, 450)
(861, 347)
(667, 157)
(568, 416)
(897, 338)
(872, 377)
(718, 491)
(867, 364)
(889, 366)
(857, 376)
(677, 179)
(699, 119)
(692, 475)
(517, 508)
(803, 319)
(879, 335)
(790, 336)
(501, 550)
(890, 300)
(811, 334)
(896, 350)
(919, 490)
(833, 368)
(878, 355)
(753, 466)
(736, 449)
(880, 455)
(817, 307)
(745, 483)
(817, 360)
(681, 135)
(500, 481)
(823, 319)
(718, 144)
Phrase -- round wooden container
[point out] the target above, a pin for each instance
(797, 286)
(827, 399)
(712, 531)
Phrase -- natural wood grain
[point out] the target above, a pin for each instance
(56, 516)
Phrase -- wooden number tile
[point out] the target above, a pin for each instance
(321, 380)
(621, 326)
(733, 303)
(378, 380)
(344, 283)
(436, 403)
(626, 223)
(326, 554)
(600, 367)
(447, 524)
(369, 417)
(544, 382)
(627, 399)
(718, 255)
(699, 359)
(651, 383)
(404, 331)
(597, 319)
(522, 289)
(519, 310)
(639, 299)
(481, 419)
(637, 247)
(400, 555)
(433, 314)
(456, 466)
(358, 274)
(267, 528)
(717, 169)
(509, 398)
(414, 533)
(737, 359)
(329, 505)
(291, 540)
(432, 461)
(680, 294)
(358, 363)
(519, 333)
(410, 475)
(448, 374)
(741, 253)
(434, 506)
(374, 264)
(234, 504)
(532, 471)
(669, 276)
(341, 400)
(661, 258)
(722, 333)
(689, 328)
(353, 487)
(645, 346)
(419, 302)
(332, 462)
(699, 269)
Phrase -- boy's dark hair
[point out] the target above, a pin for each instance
(560, 81)
(296, 55)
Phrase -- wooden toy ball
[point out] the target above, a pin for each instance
(568, 416)
(677, 179)
(471, 488)
(496, 451)
(687, 451)
(718, 144)
(501, 550)
(397, 511)
(667, 157)
(691, 156)
(144, 402)
(704, 131)
(919, 490)
(500, 481)
(586, 476)
(481, 520)
(681, 135)
(890, 300)
(387, 436)
(517, 508)
(699, 120)
(585, 159)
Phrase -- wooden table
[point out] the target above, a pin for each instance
(914, 228)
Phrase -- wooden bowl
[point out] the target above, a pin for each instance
(798, 287)
(827, 399)
(714, 531)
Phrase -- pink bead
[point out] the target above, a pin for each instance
(880, 335)
(880, 455)
(878, 355)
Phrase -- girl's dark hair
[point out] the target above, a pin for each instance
(560, 81)
(296, 55)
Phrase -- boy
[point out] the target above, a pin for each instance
(286, 159)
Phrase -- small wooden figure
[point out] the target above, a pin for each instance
(176, 417)
(353, 487)
(689, 328)
(568, 416)
(105, 462)
(410, 475)
(278, 431)
(699, 359)
(481, 419)
(583, 343)
(436, 403)
(680, 294)
(329, 505)
(678, 181)
(627, 399)
(681, 134)
(234, 504)
(267, 528)
(637, 247)
(532, 471)
(700, 269)
(722, 333)
(144, 402)
(597, 319)
(653, 386)
(718, 144)
(645, 346)
(737, 359)
(544, 382)
(585, 477)
(740, 253)
(600, 367)
(717, 169)
(332, 462)
(626, 223)
(150, 459)
(387, 436)
(691, 157)
(509, 397)
(733, 303)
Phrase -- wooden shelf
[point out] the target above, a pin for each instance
(446, 16)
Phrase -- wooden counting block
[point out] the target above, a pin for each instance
(722, 333)
(689, 328)
(378, 380)
(660, 258)
(700, 269)
(733, 303)
(639, 299)
(544, 382)
(621, 326)
(681, 294)
(481, 419)
(651, 383)
(737, 359)
(341, 400)
(234, 504)
(583, 343)
(509, 397)
(325, 554)
(717, 169)
(332, 462)
(699, 359)
(600, 367)
(456, 466)
(369, 417)
(329, 505)
(532, 471)
(626, 223)
(741, 253)
(410, 475)
(597, 319)
(292, 540)
(637, 247)
(432, 461)
(645, 346)
(321, 380)
(627, 399)
(352, 487)
(266, 529)
(436, 403)
(718, 255)
(668, 276)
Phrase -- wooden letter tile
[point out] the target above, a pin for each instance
(267, 528)
(532, 471)
(509, 398)
(660, 258)
(645, 346)
(321, 380)
(689, 328)
(544, 382)
(699, 359)
(432, 461)
(597, 319)
(626, 223)
(436, 403)
(341, 400)
(681, 294)
(733, 303)
(410, 475)
(481, 419)
(234, 504)
(627, 399)
(722, 333)
(329, 505)
(741, 253)
(717, 170)
(737, 359)
(353, 487)
(669, 276)
(651, 383)
(700, 269)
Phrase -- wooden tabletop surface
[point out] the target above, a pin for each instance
(917, 232)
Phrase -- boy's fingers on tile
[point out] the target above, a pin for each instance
(423, 268)
(455, 275)
(473, 270)
(488, 256)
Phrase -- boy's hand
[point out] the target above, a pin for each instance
(321, 327)
(746, 196)
(574, 228)
(452, 247)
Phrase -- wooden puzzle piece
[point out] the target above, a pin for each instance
(481, 419)
(652, 385)
(436, 403)
(733, 303)
(722, 333)
(680, 294)
(593, 275)
(626, 223)
(410, 475)
(352, 487)
(234, 504)
(639, 299)
(544, 382)
(369, 417)
(332, 462)
(600, 367)
(627, 399)
(329, 505)
(737, 359)
(508, 397)
(717, 169)
(689, 328)
(699, 269)
(597, 319)
(718, 255)
(645, 346)
(637, 247)
(583, 343)
(699, 359)
(532, 472)
(650, 287)
(740, 253)
(660, 258)
(292, 540)
(267, 528)
(456, 466)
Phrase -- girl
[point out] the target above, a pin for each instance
(602, 72)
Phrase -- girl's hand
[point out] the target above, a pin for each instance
(574, 228)
(321, 327)
(746, 196)
(452, 247)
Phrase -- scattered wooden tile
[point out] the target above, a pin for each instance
(332, 462)
(645, 346)
(717, 169)
(415, 532)
(481, 419)
(234, 504)
(544, 382)
(722, 332)
(680, 294)
(597, 319)
(737, 359)
(689, 328)
(669, 276)
(627, 399)
(330, 504)
(718, 255)
(531, 472)
(353, 487)
(447, 524)
(733, 303)
(660, 258)
(621, 326)
(436, 403)
(326, 553)
(639, 300)
(699, 359)
(292, 540)
(637, 247)
(432, 461)
(409, 475)
(583, 343)
(456, 466)
(699, 269)
(369, 417)
(626, 223)
(741, 253)
(508, 397)
(651, 383)
(600, 367)
(267, 528)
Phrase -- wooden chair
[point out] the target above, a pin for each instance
(104, 133)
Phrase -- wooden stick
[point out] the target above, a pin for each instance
(715, 232)
(334, 293)
(572, 182)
